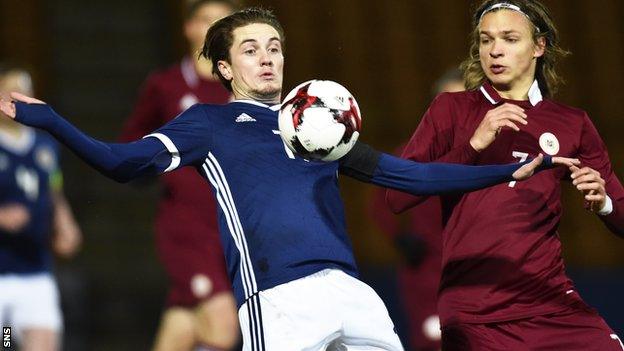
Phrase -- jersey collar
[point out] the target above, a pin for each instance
(535, 94)
(253, 102)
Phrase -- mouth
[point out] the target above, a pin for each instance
(497, 69)
(267, 75)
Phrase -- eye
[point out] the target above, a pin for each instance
(274, 50)
(512, 40)
(250, 51)
(484, 40)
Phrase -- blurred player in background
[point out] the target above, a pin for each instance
(201, 309)
(417, 237)
(34, 215)
(503, 284)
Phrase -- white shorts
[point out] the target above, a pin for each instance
(29, 301)
(329, 310)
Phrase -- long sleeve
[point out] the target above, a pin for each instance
(432, 142)
(593, 153)
(121, 162)
(368, 165)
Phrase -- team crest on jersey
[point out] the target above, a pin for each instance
(187, 101)
(45, 158)
(549, 143)
(201, 285)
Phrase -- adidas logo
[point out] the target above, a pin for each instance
(243, 117)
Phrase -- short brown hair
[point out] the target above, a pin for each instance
(220, 36)
(543, 27)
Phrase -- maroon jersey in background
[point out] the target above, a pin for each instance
(187, 235)
(418, 277)
(501, 254)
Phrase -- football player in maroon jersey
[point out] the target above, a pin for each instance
(503, 284)
(200, 307)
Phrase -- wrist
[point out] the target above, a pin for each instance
(476, 145)
(607, 207)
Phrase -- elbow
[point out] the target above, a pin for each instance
(117, 174)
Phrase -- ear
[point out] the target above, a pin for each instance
(540, 47)
(225, 69)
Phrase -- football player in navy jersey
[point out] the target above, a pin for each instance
(32, 207)
(281, 217)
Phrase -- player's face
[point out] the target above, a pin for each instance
(16, 81)
(256, 64)
(508, 52)
(196, 27)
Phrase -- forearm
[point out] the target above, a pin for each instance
(615, 219)
(368, 165)
(438, 178)
(121, 162)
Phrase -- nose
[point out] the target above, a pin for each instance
(496, 50)
(265, 59)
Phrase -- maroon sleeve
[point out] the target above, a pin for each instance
(593, 154)
(145, 116)
(432, 141)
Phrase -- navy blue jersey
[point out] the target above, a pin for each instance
(26, 167)
(281, 217)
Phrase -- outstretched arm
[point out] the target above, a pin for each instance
(368, 165)
(121, 162)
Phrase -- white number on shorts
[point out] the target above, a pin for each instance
(522, 156)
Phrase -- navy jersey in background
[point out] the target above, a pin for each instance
(27, 164)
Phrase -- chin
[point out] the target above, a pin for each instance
(499, 83)
(270, 92)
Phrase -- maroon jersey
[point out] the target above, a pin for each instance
(187, 230)
(501, 254)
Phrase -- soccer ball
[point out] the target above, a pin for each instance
(320, 120)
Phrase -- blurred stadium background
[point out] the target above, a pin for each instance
(89, 58)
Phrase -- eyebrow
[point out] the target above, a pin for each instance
(504, 32)
(255, 41)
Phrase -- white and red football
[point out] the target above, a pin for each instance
(320, 120)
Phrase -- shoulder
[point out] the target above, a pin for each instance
(461, 98)
(565, 111)
(204, 113)
(453, 103)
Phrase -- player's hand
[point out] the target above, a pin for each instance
(14, 217)
(505, 115)
(67, 241)
(528, 169)
(7, 106)
(590, 183)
